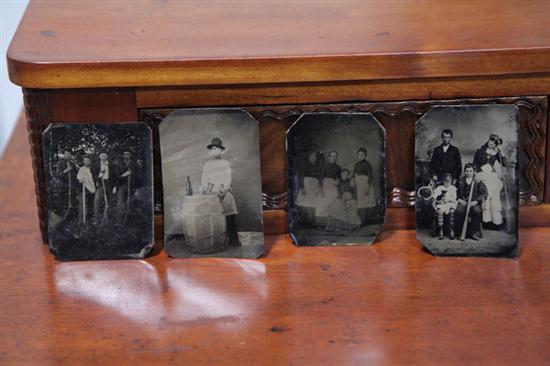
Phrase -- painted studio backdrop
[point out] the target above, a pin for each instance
(455, 146)
(188, 140)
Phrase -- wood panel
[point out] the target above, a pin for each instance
(547, 175)
(144, 43)
(333, 92)
(39, 116)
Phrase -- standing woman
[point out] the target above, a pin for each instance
(308, 183)
(488, 163)
(328, 192)
(362, 173)
(216, 178)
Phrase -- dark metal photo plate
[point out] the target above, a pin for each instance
(211, 184)
(336, 179)
(99, 190)
(467, 180)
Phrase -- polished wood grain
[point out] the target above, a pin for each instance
(144, 43)
(547, 169)
(390, 303)
(371, 90)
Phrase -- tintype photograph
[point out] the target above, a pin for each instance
(211, 184)
(99, 190)
(467, 186)
(336, 179)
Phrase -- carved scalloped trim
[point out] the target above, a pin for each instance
(37, 111)
(534, 149)
(533, 171)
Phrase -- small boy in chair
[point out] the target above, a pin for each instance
(445, 203)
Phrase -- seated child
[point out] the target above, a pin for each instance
(445, 203)
(343, 212)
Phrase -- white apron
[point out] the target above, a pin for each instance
(364, 200)
(228, 203)
(492, 209)
(309, 199)
(216, 173)
(324, 202)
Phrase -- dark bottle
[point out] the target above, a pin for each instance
(189, 188)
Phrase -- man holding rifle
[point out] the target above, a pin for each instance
(470, 199)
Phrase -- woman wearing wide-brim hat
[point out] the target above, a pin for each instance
(216, 178)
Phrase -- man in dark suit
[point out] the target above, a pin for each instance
(446, 158)
(479, 194)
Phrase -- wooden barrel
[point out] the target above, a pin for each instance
(204, 224)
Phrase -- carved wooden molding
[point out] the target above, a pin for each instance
(274, 202)
(533, 144)
(38, 112)
(153, 120)
(532, 136)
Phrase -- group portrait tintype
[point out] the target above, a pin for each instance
(467, 182)
(99, 190)
(336, 179)
(211, 184)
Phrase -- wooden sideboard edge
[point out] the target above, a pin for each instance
(391, 90)
(87, 74)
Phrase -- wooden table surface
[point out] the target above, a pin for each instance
(391, 303)
(195, 42)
